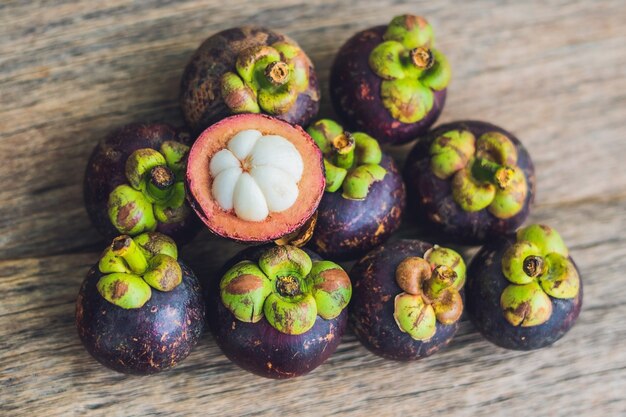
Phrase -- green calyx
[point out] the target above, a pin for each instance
(483, 172)
(351, 160)
(132, 266)
(267, 78)
(155, 192)
(538, 267)
(410, 68)
(286, 288)
(430, 294)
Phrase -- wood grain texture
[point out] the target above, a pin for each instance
(550, 71)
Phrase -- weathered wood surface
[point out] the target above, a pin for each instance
(550, 71)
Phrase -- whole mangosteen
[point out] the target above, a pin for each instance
(523, 290)
(364, 196)
(407, 299)
(254, 178)
(140, 310)
(134, 183)
(277, 311)
(389, 81)
(248, 70)
(471, 181)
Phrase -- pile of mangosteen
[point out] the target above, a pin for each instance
(255, 164)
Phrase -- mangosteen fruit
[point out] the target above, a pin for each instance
(248, 70)
(140, 310)
(364, 196)
(407, 299)
(470, 181)
(389, 81)
(523, 290)
(277, 311)
(255, 178)
(134, 183)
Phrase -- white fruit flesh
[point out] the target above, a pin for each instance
(256, 175)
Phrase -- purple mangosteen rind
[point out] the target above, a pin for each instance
(211, 73)
(372, 309)
(486, 284)
(356, 93)
(346, 229)
(431, 199)
(145, 340)
(106, 171)
(259, 347)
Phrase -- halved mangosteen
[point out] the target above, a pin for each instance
(278, 311)
(254, 178)
(407, 299)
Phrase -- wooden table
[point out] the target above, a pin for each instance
(553, 72)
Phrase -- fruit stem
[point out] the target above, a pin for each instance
(288, 286)
(343, 145)
(533, 266)
(442, 278)
(422, 58)
(488, 171)
(159, 182)
(126, 248)
(277, 73)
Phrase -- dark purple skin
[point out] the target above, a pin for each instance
(355, 93)
(146, 340)
(347, 229)
(200, 91)
(106, 170)
(484, 286)
(374, 290)
(430, 198)
(254, 346)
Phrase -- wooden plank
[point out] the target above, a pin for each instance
(552, 73)
(44, 368)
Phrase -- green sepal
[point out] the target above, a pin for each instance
(239, 98)
(109, 262)
(497, 147)
(139, 164)
(243, 290)
(412, 31)
(509, 201)
(290, 316)
(386, 60)
(334, 176)
(358, 181)
(438, 255)
(174, 209)
(448, 306)
(330, 287)
(513, 261)
(285, 260)
(525, 305)
(470, 194)
(164, 273)
(129, 211)
(414, 316)
(124, 290)
(561, 279)
(367, 150)
(407, 100)
(175, 154)
(277, 100)
(152, 244)
(451, 152)
(547, 239)
(438, 76)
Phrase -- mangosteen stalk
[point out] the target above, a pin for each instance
(277, 73)
(159, 182)
(533, 266)
(125, 247)
(344, 145)
(492, 172)
(422, 58)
